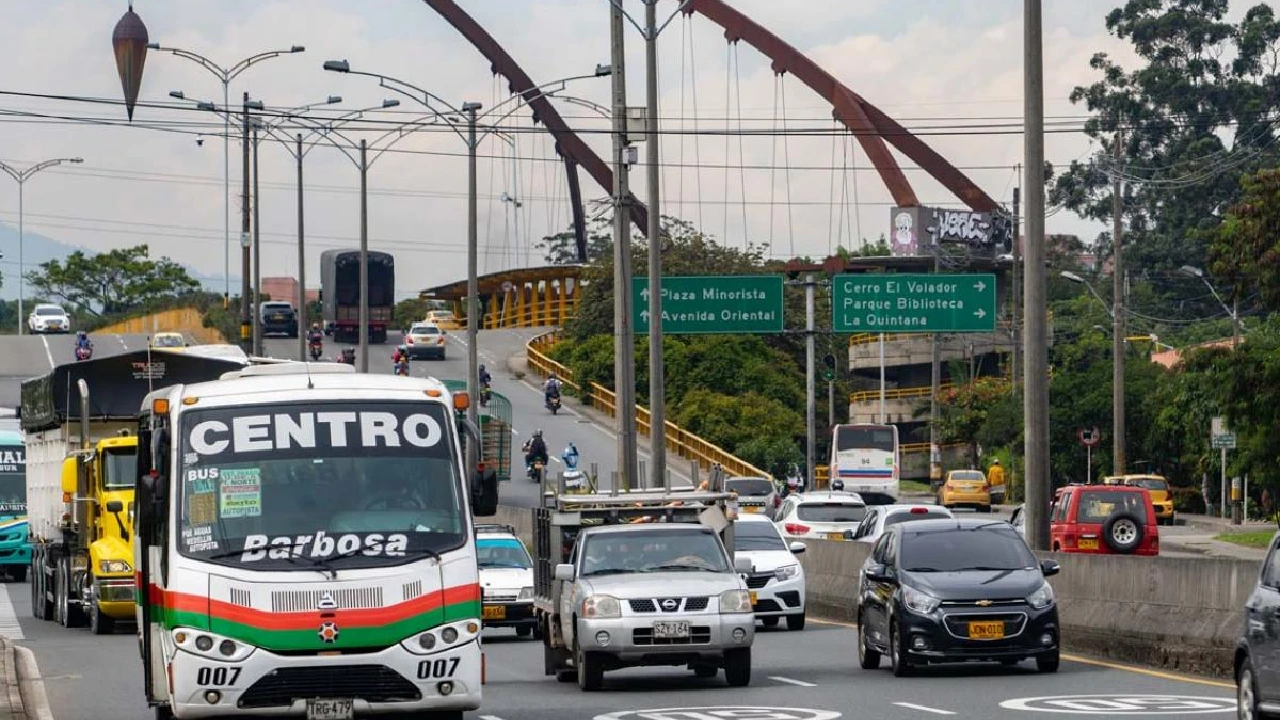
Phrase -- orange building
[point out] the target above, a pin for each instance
(285, 288)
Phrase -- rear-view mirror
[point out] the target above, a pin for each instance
(796, 547)
(1049, 567)
(878, 573)
(564, 572)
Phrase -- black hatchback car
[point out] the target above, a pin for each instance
(1258, 648)
(955, 590)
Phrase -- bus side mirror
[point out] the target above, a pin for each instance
(484, 492)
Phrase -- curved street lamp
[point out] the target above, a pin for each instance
(1233, 311)
(21, 177)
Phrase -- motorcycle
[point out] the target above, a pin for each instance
(553, 404)
(348, 356)
(315, 350)
(535, 470)
(486, 393)
(402, 368)
(83, 353)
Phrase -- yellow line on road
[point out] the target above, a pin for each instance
(1090, 661)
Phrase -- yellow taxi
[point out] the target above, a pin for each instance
(1156, 486)
(965, 488)
(168, 341)
(443, 319)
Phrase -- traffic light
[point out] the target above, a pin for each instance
(829, 361)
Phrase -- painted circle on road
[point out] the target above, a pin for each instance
(1126, 705)
(722, 713)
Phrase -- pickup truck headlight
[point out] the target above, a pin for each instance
(526, 593)
(113, 566)
(735, 601)
(786, 572)
(1041, 598)
(919, 602)
(601, 606)
(211, 645)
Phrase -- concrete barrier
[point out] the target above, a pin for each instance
(1174, 613)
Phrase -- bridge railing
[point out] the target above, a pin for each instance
(680, 441)
(534, 307)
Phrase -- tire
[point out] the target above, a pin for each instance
(589, 666)
(1247, 691)
(901, 668)
(737, 667)
(795, 622)
(70, 616)
(770, 622)
(1048, 663)
(164, 712)
(100, 624)
(1123, 532)
(985, 509)
(524, 630)
(868, 658)
(566, 676)
(706, 672)
(37, 596)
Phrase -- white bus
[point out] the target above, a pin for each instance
(865, 459)
(305, 547)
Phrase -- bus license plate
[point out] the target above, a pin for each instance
(986, 630)
(493, 612)
(1088, 543)
(669, 630)
(330, 710)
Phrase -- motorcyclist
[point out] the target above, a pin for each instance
(485, 377)
(314, 335)
(82, 341)
(535, 449)
(551, 389)
(400, 357)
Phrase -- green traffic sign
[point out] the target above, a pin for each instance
(914, 303)
(729, 304)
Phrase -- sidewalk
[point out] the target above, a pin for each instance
(11, 704)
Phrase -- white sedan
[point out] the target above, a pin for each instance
(776, 581)
(882, 517)
(48, 318)
(824, 514)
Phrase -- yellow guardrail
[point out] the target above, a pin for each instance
(188, 321)
(680, 441)
(517, 310)
(894, 393)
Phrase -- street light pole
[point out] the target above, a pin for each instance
(363, 332)
(21, 177)
(1117, 316)
(473, 284)
(246, 220)
(303, 324)
(257, 253)
(657, 398)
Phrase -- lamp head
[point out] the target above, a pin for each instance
(1068, 275)
(337, 66)
(603, 70)
(471, 106)
(333, 100)
(390, 103)
(297, 49)
(153, 46)
(1192, 271)
(77, 160)
(177, 94)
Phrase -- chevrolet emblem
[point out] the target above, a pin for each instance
(983, 603)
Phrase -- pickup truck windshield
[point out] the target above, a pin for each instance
(295, 487)
(643, 551)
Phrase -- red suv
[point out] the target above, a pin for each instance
(1104, 519)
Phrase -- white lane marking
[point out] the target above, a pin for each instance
(9, 626)
(922, 708)
(123, 344)
(33, 694)
(490, 717)
(789, 681)
(47, 352)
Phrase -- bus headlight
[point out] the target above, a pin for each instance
(444, 637)
(211, 645)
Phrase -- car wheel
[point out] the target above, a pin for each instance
(737, 667)
(897, 659)
(524, 631)
(1048, 663)
(770, 622)
(1247, 692)
(590, 669)
(868, 658)
(795, 622)
(705, 671)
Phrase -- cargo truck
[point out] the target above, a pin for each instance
(641, 578)
(306, 547)
(79, 423)
(340, 294)
(15, 545)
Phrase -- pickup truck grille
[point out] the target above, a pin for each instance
(649, 605)
(373, 683)
(698, 635)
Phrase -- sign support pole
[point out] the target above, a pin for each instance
(1088, 464)
(881, 378)
(1224, 482)
(809, 400)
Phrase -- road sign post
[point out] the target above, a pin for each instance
(1089, 438)
(914, 303)
(1223, 439)
(726, 304)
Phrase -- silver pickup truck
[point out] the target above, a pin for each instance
(655, 594)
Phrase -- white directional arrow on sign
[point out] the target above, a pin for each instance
(644, 315)
(980, 286)
(645, 293)
(980, 313)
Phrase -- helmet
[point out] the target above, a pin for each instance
(537, 433)
(315, 326)
(481, 367)
(80, 334)
(552, 376)
(403, 348)
(996, 461)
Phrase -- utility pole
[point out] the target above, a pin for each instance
(246, 220)
(1117, 312)
(303, 324)
(809, 399)
(935, 385)
(624, 348)
(363, 336)
(473, 291)
(257, 253)
(1035, 399)
(1016, 327)
(657, 398)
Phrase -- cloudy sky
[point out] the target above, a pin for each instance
(924, 62)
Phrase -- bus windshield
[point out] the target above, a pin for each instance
(13, 480)
(865, 437)
(302, 487)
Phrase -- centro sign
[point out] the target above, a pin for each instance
(1122, 705)
(722, 713)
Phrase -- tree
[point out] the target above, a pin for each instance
(1246, 245)
(562, 248)
(115, 282)
(967, 409)
(1175, 111)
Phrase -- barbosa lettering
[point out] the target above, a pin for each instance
(322, 545)
(285, 431)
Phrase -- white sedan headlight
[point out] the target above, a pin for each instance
(786, 572)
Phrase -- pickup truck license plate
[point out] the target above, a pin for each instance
(493, 612)
(1088, 543)
(329, 710)
(986, 630)
(751, 508)
(671, 630)
(835, 536)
